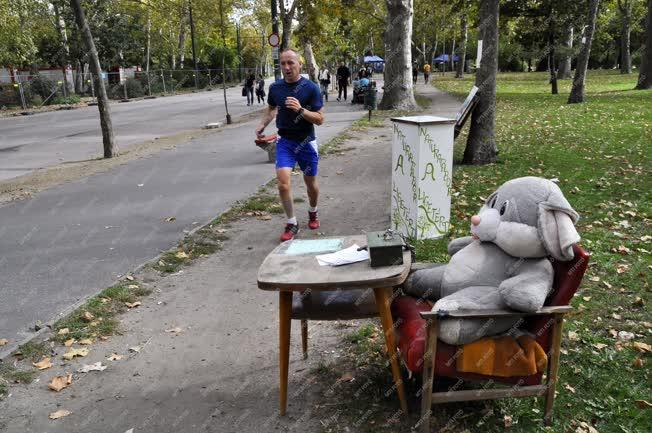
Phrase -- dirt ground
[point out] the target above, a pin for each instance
(200, 354)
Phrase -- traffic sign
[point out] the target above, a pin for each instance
(275, 53)
(274, 40)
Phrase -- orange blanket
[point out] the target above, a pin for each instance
(503, 356)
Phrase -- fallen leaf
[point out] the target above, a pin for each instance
(69, 342)
(104, 337)
(63, 331)
(135, 349)
(621, 269)
(59, 414)
(347, 377)
(642, 347)
(87, 316)
(622, 249)
(86, 342)
(613, 333)
(599, 346)
(596, 279)
(507, 420)
(129, 277)
(181, 255)
(92, 367)
(642, 404)
(132, 286)
(114, 357)
(43, 363)
(624, 335)
(607, 284)
(3, 341)
(585, 428)
(586, 298)
(170, 219)
(60, 382)
(75, 352)
(572, 335)
(221, 231)
(570, 388)
(638, 362)
(132, 304)
(176, 330)
(616, 316)
(265, 217)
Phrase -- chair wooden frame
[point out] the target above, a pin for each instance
(556, 313)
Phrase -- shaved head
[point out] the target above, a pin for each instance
(290, 51)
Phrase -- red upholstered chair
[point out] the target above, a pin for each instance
(417, 330)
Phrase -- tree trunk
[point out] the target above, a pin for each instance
(551, 57)
(65, 53)
(625, 31)
(147, 54)
(645, 73)
(287, 15)
(459, 73)
(565, 68)
(481, 144)
(102, 100)
(182, 38)
(311, 63)
(577, 92)
(79, 78)
(398, 91)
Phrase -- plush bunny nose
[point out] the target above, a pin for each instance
(475, 220)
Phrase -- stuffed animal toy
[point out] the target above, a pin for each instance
(505, 264)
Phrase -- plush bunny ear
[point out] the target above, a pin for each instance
(557, 225)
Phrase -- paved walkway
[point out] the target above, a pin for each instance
(220, 374)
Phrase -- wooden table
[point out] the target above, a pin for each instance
(289, 273)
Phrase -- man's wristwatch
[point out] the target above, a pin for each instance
(301, 110)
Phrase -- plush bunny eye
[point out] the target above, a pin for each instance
(503, 208)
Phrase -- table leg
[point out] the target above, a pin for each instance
(382, 302)
(285, 308)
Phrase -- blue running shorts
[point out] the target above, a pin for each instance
(306, 153)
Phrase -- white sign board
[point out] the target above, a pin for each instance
(275, 53)
(478, 55)
(422, 169)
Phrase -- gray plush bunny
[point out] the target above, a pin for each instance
(505, 263)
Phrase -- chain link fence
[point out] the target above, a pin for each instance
(47, 89)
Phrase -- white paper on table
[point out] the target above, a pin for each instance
(343, 257)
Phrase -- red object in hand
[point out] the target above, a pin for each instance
(265, 140)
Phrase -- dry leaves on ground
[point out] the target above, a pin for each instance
(642, 347)
(59, 414)
(181, 255)
(132, 304)
(69, 342)
(170, 219)
(347, 377)
(87, 316)
(60, 382)
(43, 363)
(507, 419)
(92, 367)
(72, 353)
(86, 341)
(3, 341)
(114, 357)
(175, 330)
(643, 404)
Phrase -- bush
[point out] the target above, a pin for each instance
(42, 86)
(71, 99)
(134, 89)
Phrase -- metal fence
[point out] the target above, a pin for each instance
(43, 89)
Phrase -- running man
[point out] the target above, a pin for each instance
(296, 103)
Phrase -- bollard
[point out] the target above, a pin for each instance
(370, 98)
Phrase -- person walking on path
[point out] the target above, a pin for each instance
(260, 89)
(296, 103)
(249, 87)
(324, 82)
(426, 72)
(343, 77)
(415, 72)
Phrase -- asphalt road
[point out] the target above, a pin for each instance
(28, 143)
(73, 240)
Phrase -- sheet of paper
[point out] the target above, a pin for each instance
(343, 257)
(313, 246)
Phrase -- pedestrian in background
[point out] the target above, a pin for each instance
(260, 89)
(249, 87)
(343, 78)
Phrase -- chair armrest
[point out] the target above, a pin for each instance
(470, 314)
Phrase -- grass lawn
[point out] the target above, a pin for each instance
(601, 153)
